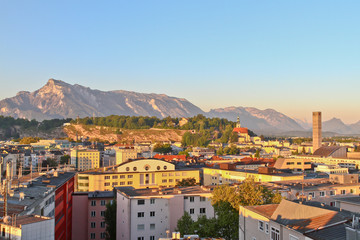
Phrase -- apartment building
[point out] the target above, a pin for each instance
(140, 173)
(153, 213)
(85, 159)
(293, 221)
(124, 154)
(350, 163)
(88, 214)
(324, 190)
(214, 176)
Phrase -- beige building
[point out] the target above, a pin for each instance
(293, 164)
(124, 154)
(290, 220)
(85, 159)
(331, 169)
(343, 162)
(141, 173)
(213, 176)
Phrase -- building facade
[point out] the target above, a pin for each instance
(141, 173)
(153, 213)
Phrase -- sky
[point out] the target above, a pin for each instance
(292, 56)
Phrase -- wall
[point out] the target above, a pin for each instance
(80, 217)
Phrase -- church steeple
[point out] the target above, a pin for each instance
(238, 125)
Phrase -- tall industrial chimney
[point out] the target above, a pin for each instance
(317, 139)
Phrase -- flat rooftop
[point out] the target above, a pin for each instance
(193, 190)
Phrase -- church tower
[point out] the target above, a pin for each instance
(238, 125)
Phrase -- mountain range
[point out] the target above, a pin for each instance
(58, 99)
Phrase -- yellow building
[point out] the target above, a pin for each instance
(141, 173)
(124, 154)
(221, 176)
(85, 159)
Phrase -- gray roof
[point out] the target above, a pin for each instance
(337, 232)
(326, 151)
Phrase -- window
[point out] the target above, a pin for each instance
(312, 194)
(92, 236)
(102, 224)
(152, 214)
(93, 214)
(130, 176)
(140, 227)
(275, 234)
(261, 225)
(152, 201)
(102, 213)
(141, 214)
(152, 226)
(291, 237)
(202, 199)
(107, 184)
(266, 228)
(322, 194)
(191, 199)
(130, 182)
(332, 192)
(298, 163)
(107, 177)
(140, 238)
(141, 202)
(93, 224)
(351, 190)
(343, 192)
(164, 180)
(192, 211)
(114, 177)
(93, 203)
(134, 168)
(102, 235)
(164, 175)
(122, 183)
(122, 176)
(165, 167)
(152, 237)
(202, 210)
(102, 202)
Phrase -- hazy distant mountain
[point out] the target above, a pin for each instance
(336, 125)
(304, 123)
(58, 99)
(266, 121)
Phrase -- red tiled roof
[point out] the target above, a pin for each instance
(241, 130)
(170, 157)
(317, 222)
(264, 210)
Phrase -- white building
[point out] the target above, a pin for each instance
(153, 213)
(29, 227)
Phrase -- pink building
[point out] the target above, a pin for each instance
(88, 214)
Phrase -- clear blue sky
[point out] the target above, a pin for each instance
(292, 56)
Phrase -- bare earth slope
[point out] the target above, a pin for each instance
(124, 135)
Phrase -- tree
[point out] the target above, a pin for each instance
(64, 159)
(162, 148)
(49, 162)
(185, 224)
(247, 193)
(257, 154)
(234, 137)
(186, 182)
(110, 220)
(227, 221)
